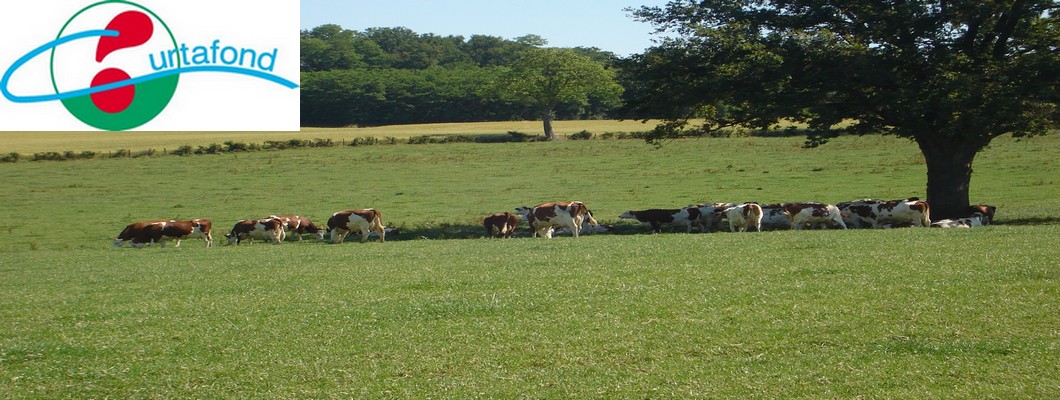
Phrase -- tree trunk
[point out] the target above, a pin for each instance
(949, 174)
(547, 120)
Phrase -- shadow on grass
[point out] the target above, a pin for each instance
(1052, 220)
(448, 231)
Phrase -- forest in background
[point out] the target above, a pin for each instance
(384, 76)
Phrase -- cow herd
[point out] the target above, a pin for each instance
(574, 216)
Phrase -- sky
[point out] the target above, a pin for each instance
(564, 23)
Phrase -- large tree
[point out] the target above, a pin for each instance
(949, 74)
(548, 78)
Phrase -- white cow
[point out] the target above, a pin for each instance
(968, 222)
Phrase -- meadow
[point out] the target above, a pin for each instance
(439, 311)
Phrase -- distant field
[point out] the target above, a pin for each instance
(33, 142)
(439, 312)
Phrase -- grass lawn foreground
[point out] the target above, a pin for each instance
(438, 311)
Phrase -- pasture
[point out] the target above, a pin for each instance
(440, 312)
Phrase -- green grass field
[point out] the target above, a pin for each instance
(440, 312)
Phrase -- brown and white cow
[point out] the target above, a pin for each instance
(967, 222)
(894, 213)
(270, 229)
(145, 233)
(133, 230)
(363, 221)
(500, 224)
(802, 214)
(986, 213)
(544, 217)
(299, 225)
(656, 218)
(743, 216)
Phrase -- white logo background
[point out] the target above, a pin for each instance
(204, 101)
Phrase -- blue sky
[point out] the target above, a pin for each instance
(569, 23)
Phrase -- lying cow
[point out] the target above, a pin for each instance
(774, 218)
(544, 217)
(587, 229)
(270, 229)
(894, 213)
(986, 213)
(146, 233)
(500, 224)
(299, 225)
(967, 222)
(363, 221)
(802, 214)
(709, 219)
(743, 216)
(656, 218)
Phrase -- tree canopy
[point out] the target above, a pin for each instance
(547, 78)
(951, 75)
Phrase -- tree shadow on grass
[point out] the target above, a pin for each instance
(1051, 220)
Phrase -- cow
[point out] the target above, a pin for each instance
(146, 233)
(986, 213)
(500, 224)
(270, 229)
(773, 218)
(544, 217)
(709, 220)
(299, 225)
(363, 221)
(743, 216)
(133, 230)
(967, 222)
(894, 213)
(588, 229)
(858, 214)
(657, 217)
(801, 214)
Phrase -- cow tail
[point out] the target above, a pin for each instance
(925, 217)
(377, 225)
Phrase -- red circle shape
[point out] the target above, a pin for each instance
(115, 100)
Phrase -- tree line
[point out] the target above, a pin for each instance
(383, 76)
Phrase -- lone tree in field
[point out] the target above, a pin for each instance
(950, 75)
(548, 78)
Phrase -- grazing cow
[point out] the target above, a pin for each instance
(545, 216)
(743, 216)
(299, 225)
(270, 229)
(657, 217)
(968, 222)
(363, 221)
(801, 214)
(133, 230)
(150, 232)
(894, 213)
(986, 213)
(501, 224)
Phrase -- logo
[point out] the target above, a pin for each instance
(116, 65)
